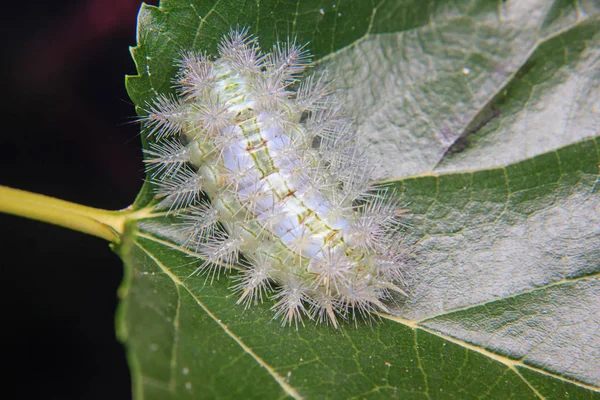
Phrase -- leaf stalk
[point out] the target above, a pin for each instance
(108, 225)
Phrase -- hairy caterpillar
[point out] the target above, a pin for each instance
(263, 169)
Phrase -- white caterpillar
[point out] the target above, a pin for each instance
(290, 199)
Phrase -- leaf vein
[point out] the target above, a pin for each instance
(512, 364)
(285, 386)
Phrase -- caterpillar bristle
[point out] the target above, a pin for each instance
(241, 50)
(254, 284)
(362, 297)
(196, 76)
(179, 190)
(166, 158)
(220, 251)
(166, 116)
(198, 223)
(213, 115)
(289, 59)
(333, 270)
(312, 93)
(270, 92)
(263, 172)
(290, 302)
(326, 308)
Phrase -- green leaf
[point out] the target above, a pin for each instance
(485, 115)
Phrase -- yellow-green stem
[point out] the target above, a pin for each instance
(106, 224)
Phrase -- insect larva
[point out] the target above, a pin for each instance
(291, 197)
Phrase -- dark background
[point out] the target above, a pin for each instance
(68, 131)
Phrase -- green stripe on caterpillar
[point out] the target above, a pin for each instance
(291, 198)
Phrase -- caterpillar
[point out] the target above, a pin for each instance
(262, 168)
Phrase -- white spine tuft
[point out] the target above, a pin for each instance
(179, 190)
(166, 158)
(166, 116)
